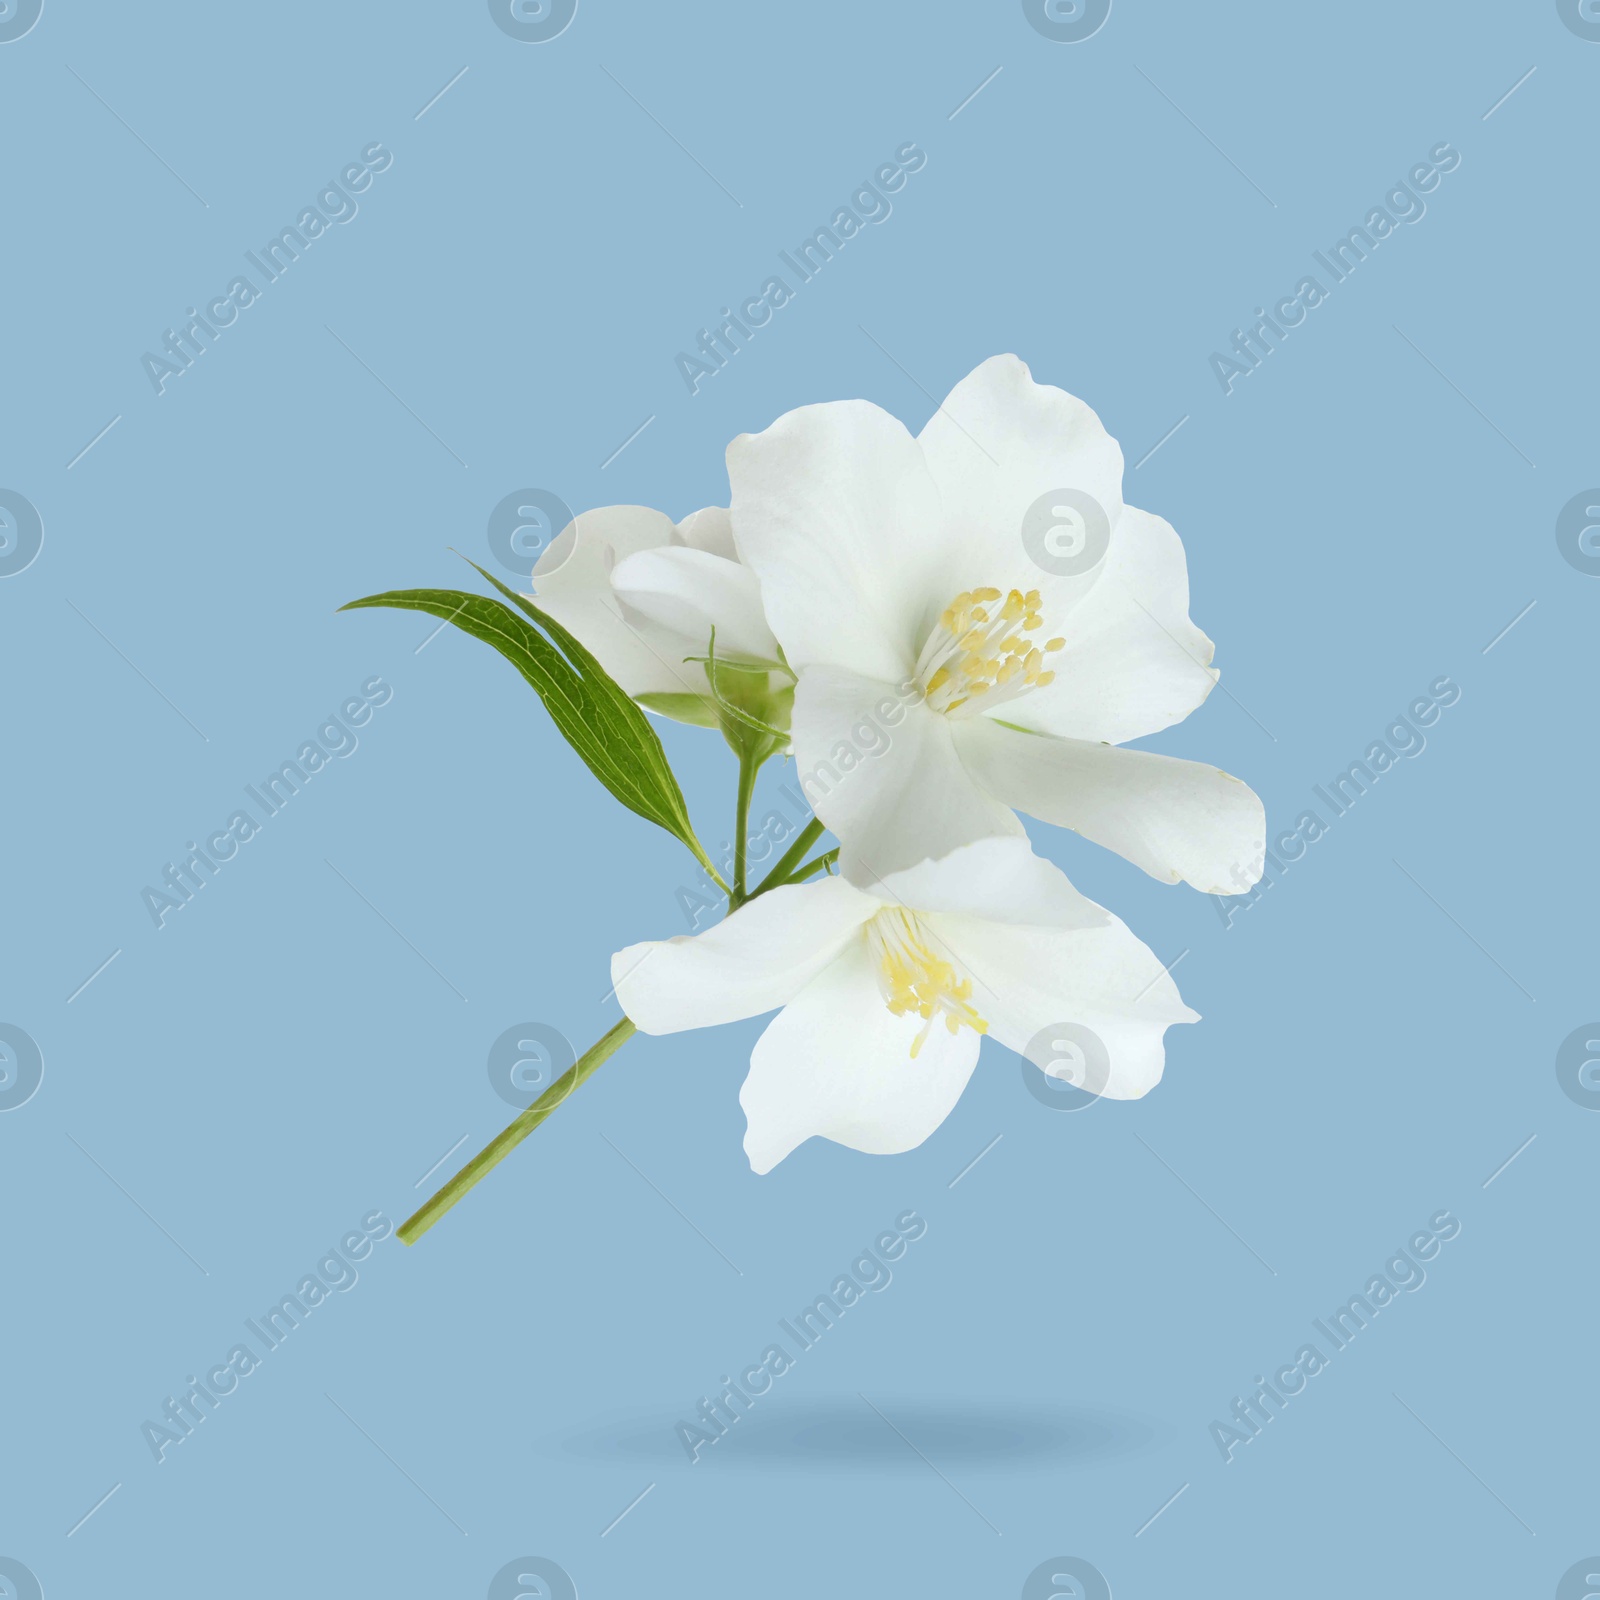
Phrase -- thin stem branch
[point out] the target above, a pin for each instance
(781, 873)
(499, 1147)
(826, 859)
(748, 768)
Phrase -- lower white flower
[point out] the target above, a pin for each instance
(886, 994)
(644, 596)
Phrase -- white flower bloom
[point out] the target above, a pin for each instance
(991, 564)
(642, 594)
(886, 994)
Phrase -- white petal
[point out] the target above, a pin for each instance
(686, 593)
(1176, 819)
(1134, 663)
(834, 509)
(837, 1063)
(710, 530)
(1037, 985)
(1001, 445)
(572, 581)
(1001, 880)
(750, 962)
(894, 791)
(623, 529)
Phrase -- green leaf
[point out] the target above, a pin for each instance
(609, 732)
(623, 713)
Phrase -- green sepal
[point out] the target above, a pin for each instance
(698, 709)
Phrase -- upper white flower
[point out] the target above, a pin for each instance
(643, 595)
(988, 571)
(885, 994)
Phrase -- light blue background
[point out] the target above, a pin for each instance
(276, 1062)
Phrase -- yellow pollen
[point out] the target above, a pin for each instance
(915, 980)
(979, 648)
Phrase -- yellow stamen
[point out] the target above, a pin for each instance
(915, 980)
(980, 648)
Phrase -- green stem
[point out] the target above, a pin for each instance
(748, 768)
(826, 859)
(499, 1147)
(781, 873)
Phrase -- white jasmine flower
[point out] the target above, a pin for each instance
(991, 564)
(886, 993)
(644, 595)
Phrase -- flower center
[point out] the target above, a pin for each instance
(917, 982)
(980, 653)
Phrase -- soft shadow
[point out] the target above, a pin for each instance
(846, 1431)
